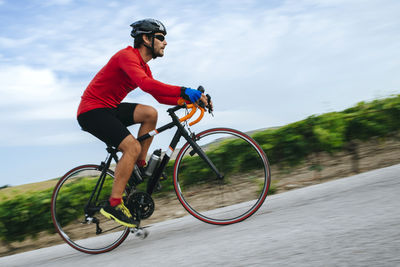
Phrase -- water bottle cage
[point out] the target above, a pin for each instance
(153, 163)
(136, 177)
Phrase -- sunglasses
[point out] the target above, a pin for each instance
(160, 37)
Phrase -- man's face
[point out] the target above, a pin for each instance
(159, 44)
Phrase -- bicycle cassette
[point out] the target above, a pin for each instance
(141, 205)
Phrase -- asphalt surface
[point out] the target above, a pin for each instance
(353, 221)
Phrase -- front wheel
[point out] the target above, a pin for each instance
(241, 191)
(81, 225)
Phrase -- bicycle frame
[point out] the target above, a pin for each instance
(180, 132)
(151, 184)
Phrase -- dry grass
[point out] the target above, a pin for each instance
(21, 189)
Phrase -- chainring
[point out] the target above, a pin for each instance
(141, 205)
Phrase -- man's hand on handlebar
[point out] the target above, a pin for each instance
(190, 94)
(197, 97)
(205, 102)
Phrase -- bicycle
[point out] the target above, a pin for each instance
(207, 160)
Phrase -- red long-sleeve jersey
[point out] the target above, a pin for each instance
(125, 71)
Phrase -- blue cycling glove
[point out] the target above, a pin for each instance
(190, 94)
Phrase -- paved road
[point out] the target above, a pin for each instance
(354, 221)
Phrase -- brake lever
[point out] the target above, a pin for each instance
(201, 104)
(209, 108)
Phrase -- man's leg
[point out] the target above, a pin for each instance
(147, 117)
(130, 149)
(116, 209)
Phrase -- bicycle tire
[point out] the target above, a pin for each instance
(68, 213)
(239, 194)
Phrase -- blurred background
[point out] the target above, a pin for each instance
(316, 83)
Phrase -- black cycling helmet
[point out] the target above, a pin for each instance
(147, 26)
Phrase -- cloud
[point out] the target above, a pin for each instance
(58, 110)
(35, 94)
(76, 40)
(41, 138)
(58, 2)
(23, 84)
(65, 138)
(252, 56)
(7, 43)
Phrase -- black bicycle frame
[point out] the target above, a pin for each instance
(180, 132)
(151, 184)
(89, 208)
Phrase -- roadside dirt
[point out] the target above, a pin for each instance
(373, 155)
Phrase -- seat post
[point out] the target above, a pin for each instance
(110, 149)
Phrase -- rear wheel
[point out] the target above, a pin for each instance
(82, 226)
(243, 188)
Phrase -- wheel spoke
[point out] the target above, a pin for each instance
(68, 204)
(239, 194)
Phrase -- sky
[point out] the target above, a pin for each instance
(265, 64)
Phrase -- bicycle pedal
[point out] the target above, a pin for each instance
(140, 232)
(163, 177)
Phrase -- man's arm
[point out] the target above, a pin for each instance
(132, 68)
(167, 100)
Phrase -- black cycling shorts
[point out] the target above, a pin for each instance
(109, 124)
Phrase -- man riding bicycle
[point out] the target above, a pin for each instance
(102, 114)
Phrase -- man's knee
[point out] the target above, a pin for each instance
(151, 114)
(130, 146)
(146, 114)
